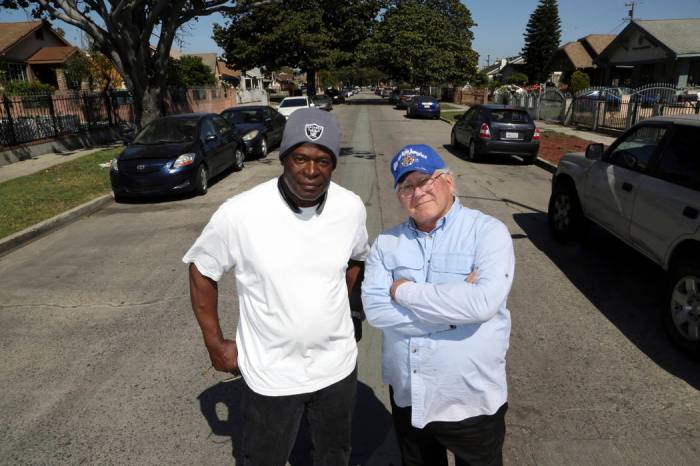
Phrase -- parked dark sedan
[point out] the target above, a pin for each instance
(335, 95)
(260, 126)
(405, 97)
(496, 129)
(323, 102)
(174, 154)
(424, 106)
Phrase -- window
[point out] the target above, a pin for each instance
(635, 150)
(199, 94)
(509, 116)
(680, 162)
(16, 72)
(221, 125)
(39, 34)
(207, 129)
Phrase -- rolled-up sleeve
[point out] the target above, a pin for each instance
(460, 302)
(211, 252)
(381, 311)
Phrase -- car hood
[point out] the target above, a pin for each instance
(156, 151)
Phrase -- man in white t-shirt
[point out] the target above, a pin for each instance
(297, 246)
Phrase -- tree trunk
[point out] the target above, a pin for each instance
(147, 105)
(311, 82)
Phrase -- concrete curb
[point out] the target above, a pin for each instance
(539, 162)
(27, 235)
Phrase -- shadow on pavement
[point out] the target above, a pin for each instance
(461, 153)
(622, 284)
(367, 102)
(371, 424)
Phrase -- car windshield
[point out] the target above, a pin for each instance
(166, 130)
(509, 116)
(244, 116)
(293, 103)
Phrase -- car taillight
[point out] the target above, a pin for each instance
(484, 132)
(536, 136)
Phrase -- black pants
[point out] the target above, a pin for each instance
(474, 441)
(271, 423)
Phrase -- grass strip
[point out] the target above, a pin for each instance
(451, 115)
(30, 199)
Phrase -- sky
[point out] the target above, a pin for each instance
(500, 23)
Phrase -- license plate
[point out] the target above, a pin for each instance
(510, 135)
(427, 105)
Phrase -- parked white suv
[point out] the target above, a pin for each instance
(290, 104)
(644, 189)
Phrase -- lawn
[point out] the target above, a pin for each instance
(451, 115)
(33, 198)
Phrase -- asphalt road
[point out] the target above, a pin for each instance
(102, 361)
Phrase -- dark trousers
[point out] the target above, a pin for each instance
(474, 441)
(271, 423)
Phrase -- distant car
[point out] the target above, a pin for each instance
(424, 106)
(174, 154)
(290, 104)
(394, 97)
(347, 92)
(612, 97)
(404, 97)
(323, 102)
(335, 95)
(386, 92)
(644, 189)
(260, 126)
(496, 129)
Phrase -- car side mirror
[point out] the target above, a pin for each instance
(594, 151)
(210, 138)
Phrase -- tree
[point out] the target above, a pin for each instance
(190, 71)
(579, 81)
(517, 78)
(310, 35)
(76, 70)
(435, 48)
(480, 79)
(122, 31)
(542, 37)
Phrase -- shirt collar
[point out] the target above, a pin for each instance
(443, 221)
(287, 196)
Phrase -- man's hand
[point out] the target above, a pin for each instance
(395, 285)
(224, 356)
(471, 278)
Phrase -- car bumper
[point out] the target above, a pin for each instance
(253, 147)
(153, 184)
(522, 148)
(425, 112)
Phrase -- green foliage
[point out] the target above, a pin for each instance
(189, 71)
(480, 79)
(76, 70)
(579, 81)
(307, 34)
(542, 37)
(517, 78)
(24, 87)
(424, 42)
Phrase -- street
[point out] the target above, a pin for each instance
(103, 362)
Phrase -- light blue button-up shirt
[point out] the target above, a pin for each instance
(445, 340)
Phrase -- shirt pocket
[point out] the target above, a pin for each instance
(407, 266)
(450, 267)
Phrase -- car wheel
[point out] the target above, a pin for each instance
(472, 153)
(263, 148)
(118, 198)
(564, 214)
(201, 183)
(238, 158)
(682, 310)
(453, 141)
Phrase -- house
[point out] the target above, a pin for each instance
(503, 68)
(580, 55)
(654, 51)
(33, 51)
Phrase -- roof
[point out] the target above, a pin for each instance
(577, 54)
(226, 71)
(682, 36)
(11, 33)
(598, 42)
(46, 55)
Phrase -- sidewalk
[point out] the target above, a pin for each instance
(42, 162)
(587, 135)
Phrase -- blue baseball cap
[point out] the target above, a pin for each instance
(415, 157)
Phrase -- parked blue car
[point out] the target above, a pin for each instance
(176, 154)
(424, 106)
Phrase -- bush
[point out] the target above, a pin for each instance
(517, 78)
(579, 81)
(24, 87)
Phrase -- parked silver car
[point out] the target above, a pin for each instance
(644, 189)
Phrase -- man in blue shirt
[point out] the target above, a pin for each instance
(437, 286)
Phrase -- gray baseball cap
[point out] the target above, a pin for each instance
(314, 126)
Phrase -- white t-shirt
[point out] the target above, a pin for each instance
(295, 334)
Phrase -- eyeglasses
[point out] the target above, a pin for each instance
(407, 190)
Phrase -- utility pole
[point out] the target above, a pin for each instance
(488, 60)
(630, 12)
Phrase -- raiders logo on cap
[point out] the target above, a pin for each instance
(313, 131)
